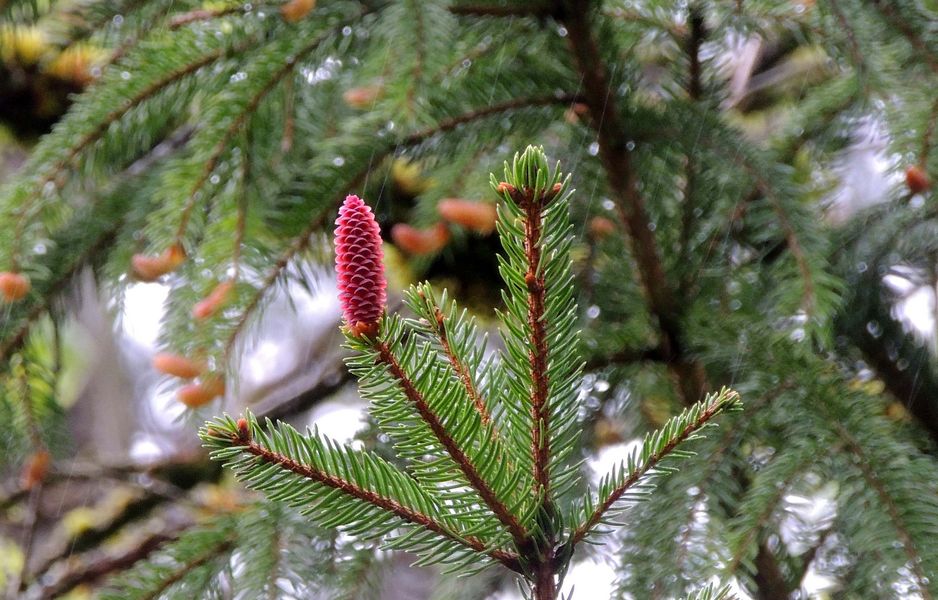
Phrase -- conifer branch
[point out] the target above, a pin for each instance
(653, 458)
(538, 354)
(107, 565)
(902, 530)
(487, 111)
(301, 242)
(488, 495)
(630, 204)
(901, 24)
(928, 133)
(53, 171)
(243, 116)
(187, 567)
(759, 523)
(440, 327)
(792, 240)
(858, 59)
(203, 14)
(385, 503)
(483, 10)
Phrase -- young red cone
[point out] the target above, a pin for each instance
(359, 267)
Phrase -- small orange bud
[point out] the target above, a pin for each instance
(150, 268)
(214, 302)
(505, 187)
(244, 432)
(362, 97)
(199, 394)
(35, 469)
(420, 241)
(360, 329)
(556, 189)
(477, 216)
(601, 227)
(179, 366)
(14, 286)
(917, 179)
(294, 10)
(174, 256)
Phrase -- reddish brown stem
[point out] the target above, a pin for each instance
(538, 352)
(705, 416)
(630, 204)
(462, 371)
(498, 508)
(388, 504)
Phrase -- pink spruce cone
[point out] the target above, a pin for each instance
(359, 270)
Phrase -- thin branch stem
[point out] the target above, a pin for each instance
(491, 499)
(781, 489)
(539, 352)
(53, 172)
(187, 567)
(928, 134)
(653, 461)
(483, 10)
(890, 14)
(375, 499)
(441, 329)
(869, 474)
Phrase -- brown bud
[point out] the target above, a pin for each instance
(576, 112)
(505, 187)
(244, 432)
(477, 216)
(150, 268)
(14, 286)
(215, 301)
(917, 179)
(601, 227)
(199, 394)
(35, 469)
(363, 329)
(420, 241)
(362, 97)
(294, 10)
(179, 366)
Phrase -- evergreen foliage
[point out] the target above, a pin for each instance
(699, 251)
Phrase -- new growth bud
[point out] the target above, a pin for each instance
(359, 267)
(917, 179)
(420, 242)
(13, 286)
(477, 216)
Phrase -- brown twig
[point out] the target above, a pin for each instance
(194, 563)
(914, 38)
(539, 352)
(441, 328)
(905, 538)
(630, 204)
(711, 411)
(463, 462)
(375, 499)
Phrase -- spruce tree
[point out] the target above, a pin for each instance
(685, 291)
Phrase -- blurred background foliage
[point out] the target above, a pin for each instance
(754, 209)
